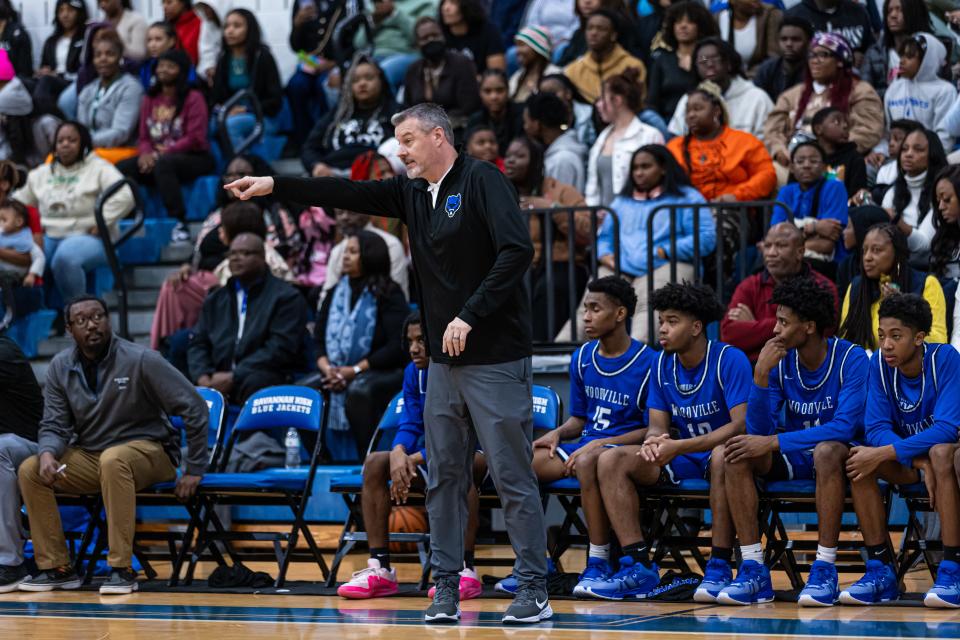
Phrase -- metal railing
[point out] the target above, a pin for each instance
(110, 245)
(548, 233)
(720, 211)
(226, 144)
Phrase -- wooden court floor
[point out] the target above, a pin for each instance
(180, 616)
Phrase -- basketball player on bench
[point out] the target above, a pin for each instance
(608, 397)
(699, 388)
(390, 476)
(910, 425)
(819, 384)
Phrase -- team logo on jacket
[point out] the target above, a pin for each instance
(453, 205)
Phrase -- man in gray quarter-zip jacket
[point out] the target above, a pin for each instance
(106, 429)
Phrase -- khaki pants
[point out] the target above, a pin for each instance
(638, 327)
(118, 473)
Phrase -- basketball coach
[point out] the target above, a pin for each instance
(471, 247)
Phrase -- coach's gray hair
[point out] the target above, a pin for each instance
(430, 116)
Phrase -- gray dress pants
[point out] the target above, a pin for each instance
(13, 451)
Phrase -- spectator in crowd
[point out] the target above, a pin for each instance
(581, 113)
(945, 245)
(388, 477)
(859, 221)
(245, 63)
(778, 73)
(751, 317)
(183, 292)
(16, 249)
(16, 105)
(310, 33)
(498, 111)
(251, 331)
(901, 19)
(60, 57)
(15, 40)
(535, 55)
(545, 119)
(21, 403)
(197, 34)
(608, 165)
(65, 191)
(886, 271)
(831, 129)
(671, 69)
(655, 180)
(443, 77)
(350, 223)
(829, 83)
(919, 93)
(391, 30)
(846, 18)
(110, 106)
(480, 142)
(129, 24)
(105, 416)
(468, 31)
(161, 37)
(559, 19)
(751, 26)
(173, 145)
(886, 164)
(361, 121)
(586, 8)
(604, 57)
(724, 164)
(523, 166)
(911, 200)
(358, 354)
(748, 106)
(819, 205)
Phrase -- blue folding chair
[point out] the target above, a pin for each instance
(158, 495)
(273, 410)
(350, 487)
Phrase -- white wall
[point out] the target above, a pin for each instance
(274, 17)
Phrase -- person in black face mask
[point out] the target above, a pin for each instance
(442, 76)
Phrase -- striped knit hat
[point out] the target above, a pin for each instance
(538, 39)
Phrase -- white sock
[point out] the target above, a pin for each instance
(827, 554)
(752, 552)
(600, 551)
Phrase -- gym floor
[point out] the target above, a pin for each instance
(178, 615)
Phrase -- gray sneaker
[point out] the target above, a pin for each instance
(530, 605)
(121, 582)
(51, 579)
(446, 602)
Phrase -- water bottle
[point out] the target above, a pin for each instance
(292, 444)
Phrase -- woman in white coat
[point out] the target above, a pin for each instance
(608, 165)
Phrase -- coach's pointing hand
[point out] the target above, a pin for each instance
(249, 187)
(455, 337)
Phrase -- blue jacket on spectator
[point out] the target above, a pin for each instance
(410, 431)
(633, 215)
(830, 198)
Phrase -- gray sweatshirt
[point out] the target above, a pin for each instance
(114, 118)
(137, 392)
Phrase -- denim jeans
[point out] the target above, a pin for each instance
(70, 259)
(308, 100)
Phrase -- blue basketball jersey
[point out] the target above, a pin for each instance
(826, 404)
(699, 399)
(410, 430)
(610, 393)
(914, 414)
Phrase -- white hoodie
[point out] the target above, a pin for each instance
(926, 98)
(747, 104)
(637, 135)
